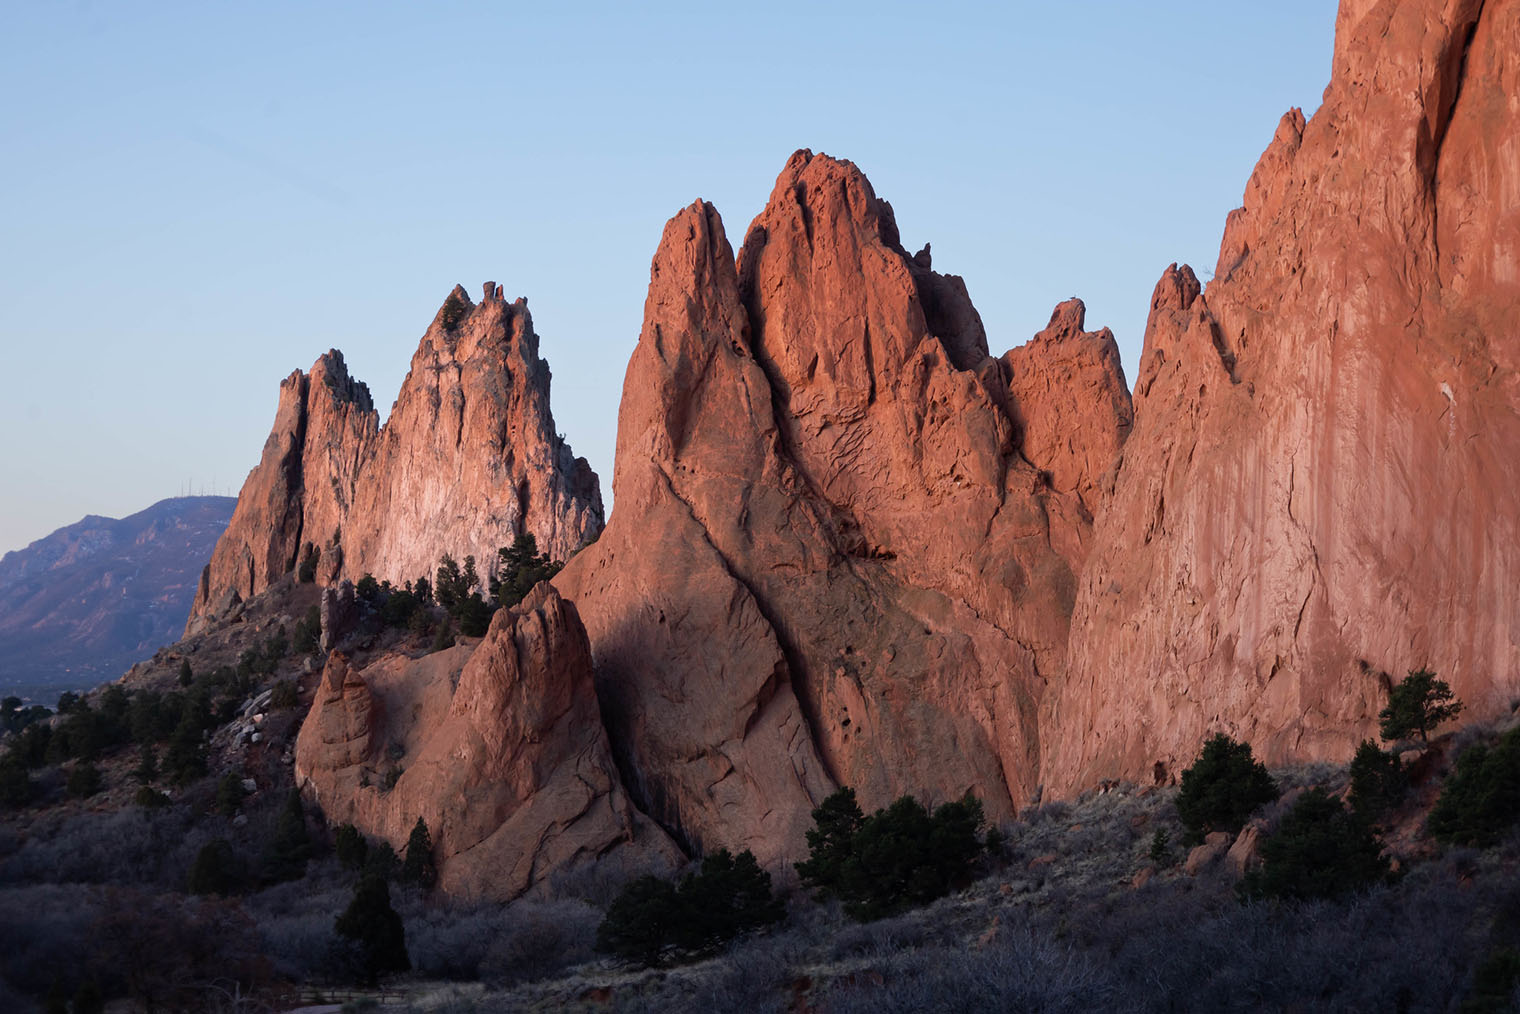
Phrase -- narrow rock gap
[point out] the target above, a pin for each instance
(635, 786)
(1443, 127)
(870, 363)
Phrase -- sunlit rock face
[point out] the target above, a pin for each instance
(468, 459)
(1321, 483)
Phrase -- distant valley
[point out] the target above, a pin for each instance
(79, 606)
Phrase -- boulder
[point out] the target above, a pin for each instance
(1214, 845)
(1245, 855)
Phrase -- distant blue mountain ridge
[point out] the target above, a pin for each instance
(79, 606)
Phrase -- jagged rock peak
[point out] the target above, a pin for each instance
(1058, 381)
(768, 614)
(823, 219)
(331, 372)
(468, 459)
(1066, 320)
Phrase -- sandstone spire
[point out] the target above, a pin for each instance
(468, 459)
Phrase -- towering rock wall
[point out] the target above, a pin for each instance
(1320, 485)
(468, 459)
(847, 538)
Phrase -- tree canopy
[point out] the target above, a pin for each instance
(1418, 704)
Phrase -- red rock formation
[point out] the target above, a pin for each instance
(511, 771)
(832, 560)
(853, 547)
(262, 539)
(468, 460)
(1067, 374)
(1320, 482)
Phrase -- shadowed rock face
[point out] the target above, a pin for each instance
(501, 752)
(468, 460)
(847, 539)
(1321, 479)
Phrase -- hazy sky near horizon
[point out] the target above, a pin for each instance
(202, 197)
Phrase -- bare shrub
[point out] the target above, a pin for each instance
(600, 882)
(539, 939)
(1017, 971)
(131, 846)
(1331, 777)
(295, 923)
(879, 938)
(1179, 946)
(43, 929)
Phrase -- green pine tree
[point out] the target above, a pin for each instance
(214, 870)
(730, 895)
(1224, 786)
(642, 921)
(1481, 798)
(88, 999)
(895, 859)
(351, 847)
(146, 771)
(1418, 704)
(419, 866)
(1378, 781)
(375, 929)
(831, 843)
(84, 781)
(1319, 850)
(57, 1000)
(287, 852)
(229, 794)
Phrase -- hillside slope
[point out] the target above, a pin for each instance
(79, 606)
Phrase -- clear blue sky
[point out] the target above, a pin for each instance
(201, 197)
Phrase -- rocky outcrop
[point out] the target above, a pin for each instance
(1319, 486)
(500, 750)
(838, 555)
(468, 459)
(338, 613)
(262, 539)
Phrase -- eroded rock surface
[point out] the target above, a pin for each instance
(499, 748)
(1320, 483)
(468, 459)
(832, 560)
